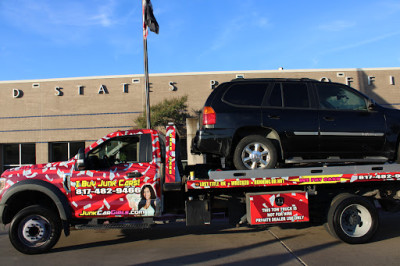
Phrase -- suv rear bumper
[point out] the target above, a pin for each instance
(215, 141)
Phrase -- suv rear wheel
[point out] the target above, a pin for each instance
(254, 152)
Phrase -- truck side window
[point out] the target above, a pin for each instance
(124, 149)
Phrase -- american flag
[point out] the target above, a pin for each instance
(149, 21)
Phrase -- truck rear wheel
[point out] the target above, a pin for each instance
(35, 230)
(353, 219)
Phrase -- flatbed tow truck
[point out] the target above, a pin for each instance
(133, 179)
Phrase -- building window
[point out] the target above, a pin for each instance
(63, 151)
(15, 155)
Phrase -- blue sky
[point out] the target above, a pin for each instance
(42, 39)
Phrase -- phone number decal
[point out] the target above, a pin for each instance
(107, 191)
(380, 176)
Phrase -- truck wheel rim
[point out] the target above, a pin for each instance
(255, 155)
(355, 220)
(34, 230)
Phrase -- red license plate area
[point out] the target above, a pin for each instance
(272, 208)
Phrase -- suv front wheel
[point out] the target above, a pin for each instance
(254, 152)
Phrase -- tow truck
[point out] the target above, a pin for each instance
(134, 179)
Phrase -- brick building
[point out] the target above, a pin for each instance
(48, 120)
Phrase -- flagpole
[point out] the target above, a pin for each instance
(146, 69)
(146, 83)
(149, 21)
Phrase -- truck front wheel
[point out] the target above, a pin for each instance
(34, 230)
(353, 219)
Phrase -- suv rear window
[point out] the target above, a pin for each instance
(248, 94)
(295, 95)
(275, 99)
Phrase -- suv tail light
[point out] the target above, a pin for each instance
(209, 116)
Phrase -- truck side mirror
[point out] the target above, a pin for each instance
(80, 161)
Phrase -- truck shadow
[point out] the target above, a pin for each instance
(388, 226)
(388, 229)
(160, 232)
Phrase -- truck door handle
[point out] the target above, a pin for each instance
(329, 119)
(274, 117)
(134, 174)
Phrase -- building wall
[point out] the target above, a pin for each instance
(85, 109)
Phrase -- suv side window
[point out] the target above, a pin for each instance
(295, 95)
(246, 94)
(334, 96)
(275, 99)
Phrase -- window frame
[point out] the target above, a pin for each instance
(69, 155)
(8, 166)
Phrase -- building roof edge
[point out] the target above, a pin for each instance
(201, 73)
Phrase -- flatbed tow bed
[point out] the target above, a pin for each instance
(285, 195)
(132, 179)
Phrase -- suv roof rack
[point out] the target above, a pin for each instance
(273, 79)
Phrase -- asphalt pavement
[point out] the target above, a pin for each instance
(175, 244)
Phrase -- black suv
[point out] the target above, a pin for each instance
(258, 123)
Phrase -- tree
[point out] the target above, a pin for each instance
(169, 110)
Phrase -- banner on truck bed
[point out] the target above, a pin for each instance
(274, 181)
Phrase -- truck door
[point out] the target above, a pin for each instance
(120, 179)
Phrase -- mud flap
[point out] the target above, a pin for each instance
(272, 208)
(198, 212)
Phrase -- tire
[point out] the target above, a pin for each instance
(353, 219)
(254, 152)
(35, 230)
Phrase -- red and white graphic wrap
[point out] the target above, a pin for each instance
(112, 192)
(292, 180)
(171, 174)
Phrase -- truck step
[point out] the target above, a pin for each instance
(114, 226)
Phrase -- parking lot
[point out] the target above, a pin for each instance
(173, 244)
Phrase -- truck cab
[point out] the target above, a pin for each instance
(119, 176)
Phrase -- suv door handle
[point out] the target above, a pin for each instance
(274, 117)
(329, 119)
(134, 174)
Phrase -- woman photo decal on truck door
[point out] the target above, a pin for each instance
(146, 205)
